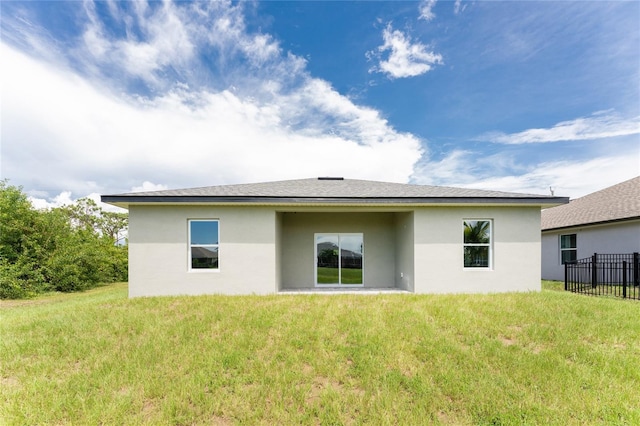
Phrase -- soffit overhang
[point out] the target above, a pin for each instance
(591, 225)
(125, 201)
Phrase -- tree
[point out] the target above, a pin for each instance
(65, 249)
(476, 231)
(476, 238)
(86, 214)
(26, 238)
(83, 214)
(16, 219)
(114, 225)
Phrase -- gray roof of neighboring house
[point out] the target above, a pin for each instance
(329, 190)
(615, 203)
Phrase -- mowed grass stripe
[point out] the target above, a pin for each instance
(529, 358)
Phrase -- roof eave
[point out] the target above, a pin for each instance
(126, 200)
(598, 223)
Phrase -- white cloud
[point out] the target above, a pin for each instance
(261, 118)
(62, 199)
(61, 133)
(58, 122)
(567, 178)
(604, 124)
(164, 40)
(149, 186)
(405, 59)
(593, 175)
(65, 198)
(458, 7)
(452, 168)
(426, 9)
(254, 115)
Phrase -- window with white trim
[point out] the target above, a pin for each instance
(568, 248)
(477, 243)
(203, 244)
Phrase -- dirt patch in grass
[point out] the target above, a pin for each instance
(320, 385)
(221, 421)
(507, 341)
(307, 369)
(148, 409)
(9, 382)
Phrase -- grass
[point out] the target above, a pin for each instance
(553, 285)
(531, 358)
(330, 275)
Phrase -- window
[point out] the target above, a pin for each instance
(568, 248)
(477, 243)
(203, 244)
(339, 259)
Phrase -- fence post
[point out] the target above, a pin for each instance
(566, 282)
(594, 272)
(636, 269)
(624, 279)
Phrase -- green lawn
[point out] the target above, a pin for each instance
(330, 275)
(531, 358)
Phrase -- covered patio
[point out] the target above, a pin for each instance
(340, 252)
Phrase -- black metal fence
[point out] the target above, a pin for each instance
(615, 275)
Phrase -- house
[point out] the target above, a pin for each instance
(606, 221)
(332, 233)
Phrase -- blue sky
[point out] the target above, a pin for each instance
(111, 96)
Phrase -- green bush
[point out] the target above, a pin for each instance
(64, 249)
(82, 263)
(67, 272)
(19, 280)
(116, 265)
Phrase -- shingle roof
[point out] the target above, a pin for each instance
(327, 190)
(618, 202)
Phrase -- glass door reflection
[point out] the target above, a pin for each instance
(339, 259)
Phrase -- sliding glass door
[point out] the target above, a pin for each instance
(339, 259)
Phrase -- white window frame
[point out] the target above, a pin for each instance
(489, 266)
(190, 246)
(561, 250)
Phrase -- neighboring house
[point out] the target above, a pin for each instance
(328, 233)
(606, 221)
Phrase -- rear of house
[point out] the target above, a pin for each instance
(605, 222)
(332, 233)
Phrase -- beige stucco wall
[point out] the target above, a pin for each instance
(299, 228)
(404, 274)
(279, 251)
(439, 253)
(263, 250)
(159, 260)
